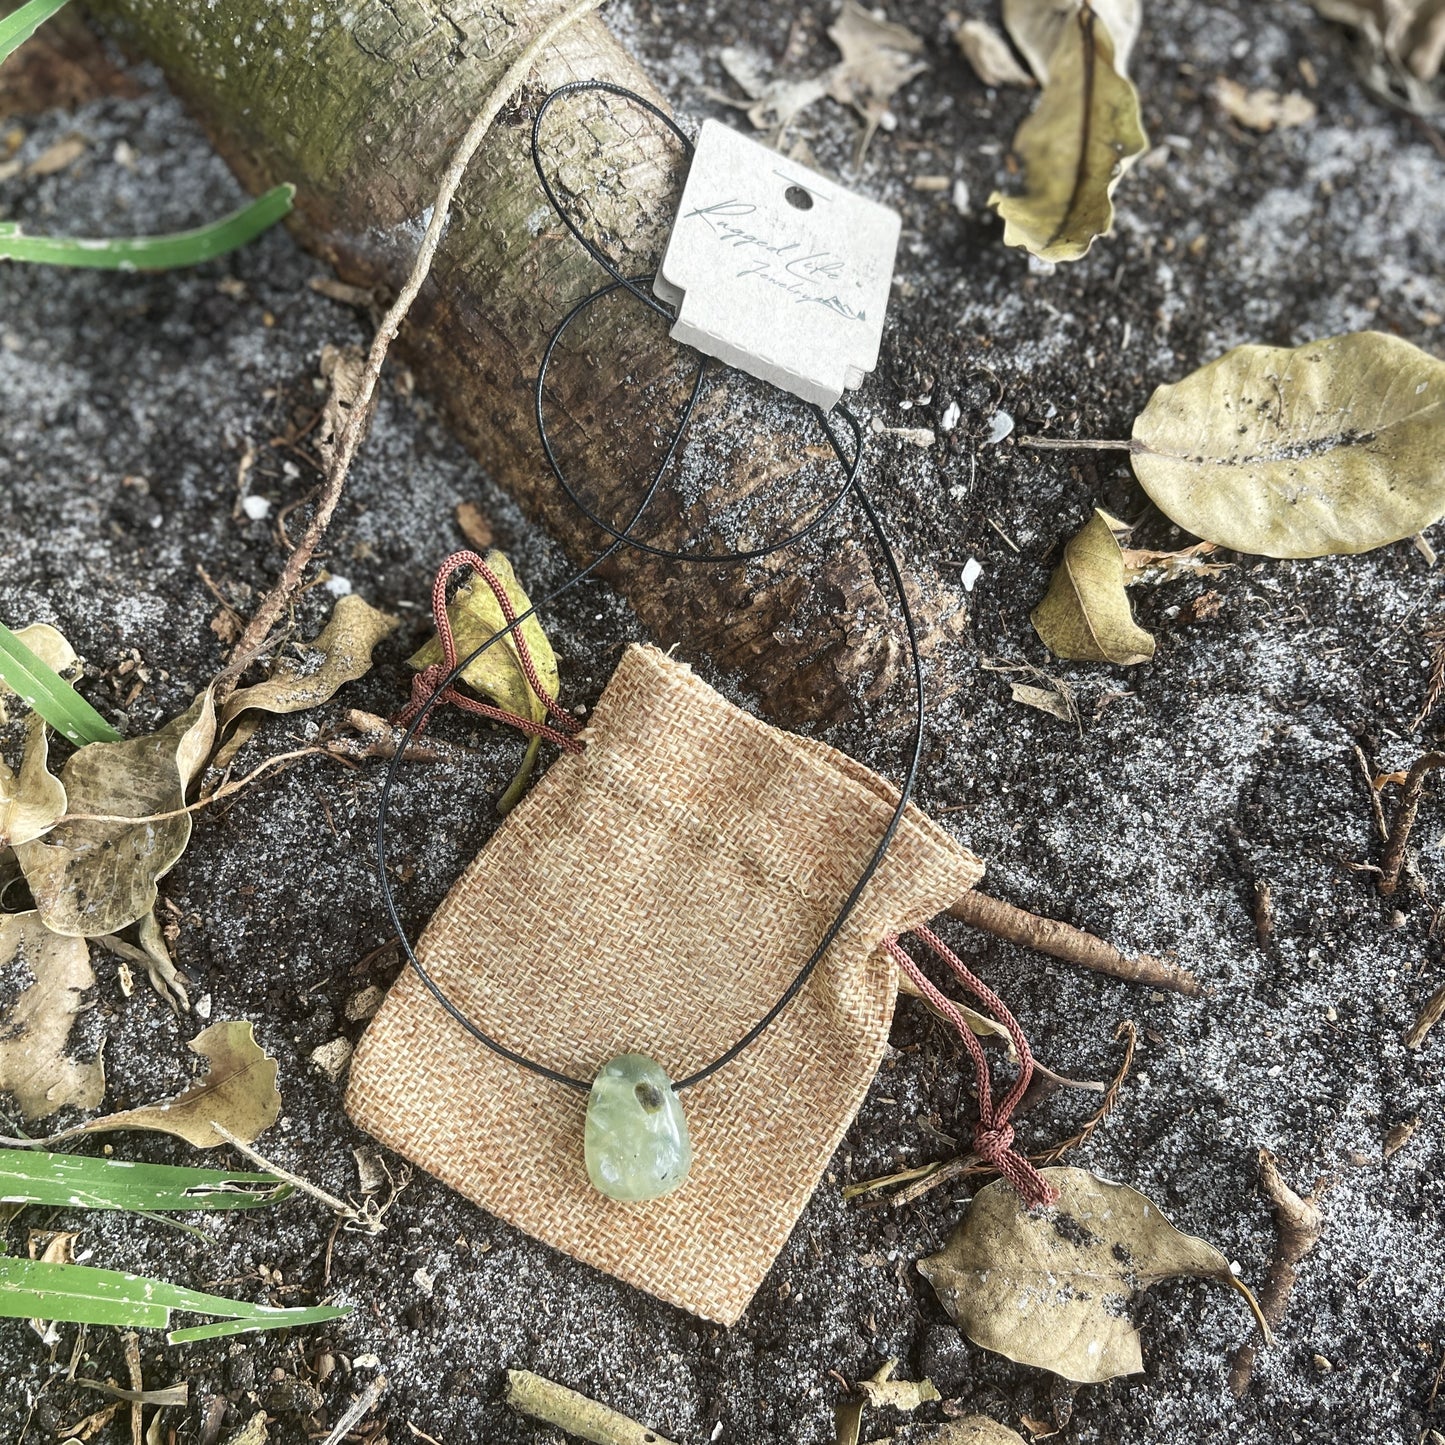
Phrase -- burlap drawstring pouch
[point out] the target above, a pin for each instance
(657, 892)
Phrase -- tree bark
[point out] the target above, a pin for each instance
(361, 109)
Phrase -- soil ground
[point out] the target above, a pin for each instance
(1226, 764)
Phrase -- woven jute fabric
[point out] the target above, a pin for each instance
(656, 894)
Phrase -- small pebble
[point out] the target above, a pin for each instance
(949, 419)
(203, 1006)
(256, 508)
(972, 571)
(338, 586)
(332, 1058)
(362, 1005)
(999, 428)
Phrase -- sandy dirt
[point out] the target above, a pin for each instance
(1226, 763)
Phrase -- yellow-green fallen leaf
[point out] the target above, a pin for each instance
(1085, 615)
(1049, 1287)
(341, 654)
(497, 673)
(1036, 25)
(973, 1430)
(34, 1069)
(1335, 446)
(1076, 145)
(237, 1091)
(32, 800)
(90, 878)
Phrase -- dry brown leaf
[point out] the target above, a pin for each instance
(1085, 615)
(884, 1392)
(1075, 147)
(88, 1428)
(1143, 567)
(341, 369)
(58, 157)
(237, 1091)
(32, 801)
(497, 673)
(1335, 446)
(341, 654)
(49, 1247)
(879, 59)
(475, 526)
(34, 1069)
(1401, 47)
(990, 55)
(1036, 25)
(973, 1430)
(1263, 110)
(772, 104)
(1046, 700)
(1049, 1287)
(90, 878)
(165, 977)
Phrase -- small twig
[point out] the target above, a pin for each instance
(1074, 444)
(224, 791)
(1300, 1223)
(1409, 806)
(357, 1410)
(339, 467)
(349, 1214)
(555, 1404)
(1376, 807)
(379, 739)
(1430, 1015)
(928, 1177)
(1073, 945)
(131, 1341)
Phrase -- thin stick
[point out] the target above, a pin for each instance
(224, 791)
(1376, 807)
(370, 1223)
(1073, 945)
(1300, 1223)
(555, 1404)
(1073, 444)
(357, 1410)
(1394, 859)
(1430, 1015)
(276, 600)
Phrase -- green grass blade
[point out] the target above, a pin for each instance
(49, 694)
(151, 253)
(79, 1294)
(74, 1181)
(250, 1324)
(17, 28)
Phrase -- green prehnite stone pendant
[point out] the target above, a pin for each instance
(636, 1140)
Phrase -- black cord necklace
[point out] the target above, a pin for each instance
(850, 463)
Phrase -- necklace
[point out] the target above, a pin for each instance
(636, 1144)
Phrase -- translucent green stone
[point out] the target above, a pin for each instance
(636, 1140)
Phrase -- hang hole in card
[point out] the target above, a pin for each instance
(777, 270)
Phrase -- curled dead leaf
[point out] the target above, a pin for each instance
(32, 801)
(1401, 48)
(340, 654)
(879, 59)
(1334, 446)
(1083, 136)
(342, 368)
(1085, 614)
(1035, 26)
(990, 56)
(1048, 1287)
(1263, 110)
(34, 1068)
(237, 1091)
(90, 877)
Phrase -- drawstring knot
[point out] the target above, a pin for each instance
(993, 1139)
(424, 686)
